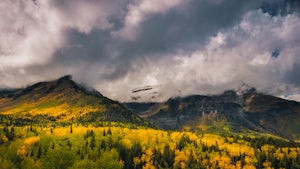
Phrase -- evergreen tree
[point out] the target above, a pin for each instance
(109, 131)
(71, 129)
(39, 153)
(92, 142)
(103, 145)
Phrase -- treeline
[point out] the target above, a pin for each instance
(46, 121)
(77, 146)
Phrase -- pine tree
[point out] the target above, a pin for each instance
(109, 131)
(71, 129)
(92, 142)
(104, 133)
(103, 145)
(39, 153)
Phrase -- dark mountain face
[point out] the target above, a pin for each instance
(247, 111)
(273, 114)
(61, 100)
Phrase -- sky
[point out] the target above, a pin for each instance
(151, 50)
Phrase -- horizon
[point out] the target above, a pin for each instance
(152, 50)
(239, 91)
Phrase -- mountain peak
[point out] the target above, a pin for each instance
(66, 83)
(245, 89)
(66, 77)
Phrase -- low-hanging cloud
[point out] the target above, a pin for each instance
(183, 46)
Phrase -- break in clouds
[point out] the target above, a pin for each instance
(171, 47)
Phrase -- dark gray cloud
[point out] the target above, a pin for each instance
(281, 7)
(183, 46)
(183, 28)
(292, 76)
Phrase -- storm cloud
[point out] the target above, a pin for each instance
(181, 47)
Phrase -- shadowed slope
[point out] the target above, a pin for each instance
(250, 111)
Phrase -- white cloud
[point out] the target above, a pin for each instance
(295, 97)
(32, 31)
(27, 35)
(242, 53)
(139, 11)
(85, 15)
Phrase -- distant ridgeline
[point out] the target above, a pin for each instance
(234, 111)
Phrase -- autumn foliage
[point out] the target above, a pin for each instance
(116, 146)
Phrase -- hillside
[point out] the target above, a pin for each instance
(86, 147)
(61, 100)
(229, 111)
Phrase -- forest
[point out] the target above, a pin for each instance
(118, 145)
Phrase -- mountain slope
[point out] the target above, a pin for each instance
(62, 100)
(237, 112)
(273, 114)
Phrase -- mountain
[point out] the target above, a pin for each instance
(61, 100)
(275, 115)
(235, 111)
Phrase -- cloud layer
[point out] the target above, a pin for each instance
(178, 47)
